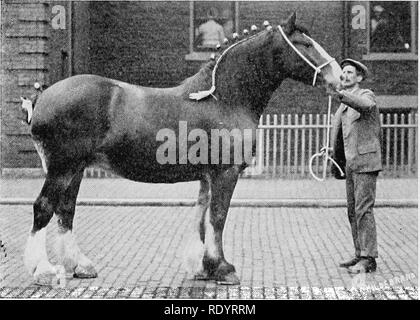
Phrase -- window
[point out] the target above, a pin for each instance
(210, 23)
(392, 29)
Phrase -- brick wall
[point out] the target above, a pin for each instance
(25, 33)
(140, 42)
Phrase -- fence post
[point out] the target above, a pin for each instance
(289, 134)
(275, 146)
(388, 141)
(402, 149)
(410, 146)
(260, 147)
(281, 144)
(303, 144)
(267, 145)
(395, 143)
(295, 160)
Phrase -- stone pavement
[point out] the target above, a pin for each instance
(279, 253)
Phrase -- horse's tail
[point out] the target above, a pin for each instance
(28, 105)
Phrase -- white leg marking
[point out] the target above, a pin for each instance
(69, 252)
(194, 250)
(210, 241)
(36, 261)
(41, 154)
(35, 250)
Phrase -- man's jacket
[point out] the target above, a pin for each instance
(356, 132)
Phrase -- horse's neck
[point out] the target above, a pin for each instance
(245, 79)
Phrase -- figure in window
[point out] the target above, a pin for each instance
(386, 33)
(210, 33)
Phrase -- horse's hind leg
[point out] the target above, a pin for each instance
(74, 261)
(35, 255)
(195, 248)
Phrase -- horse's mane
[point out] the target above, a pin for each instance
(202, 79)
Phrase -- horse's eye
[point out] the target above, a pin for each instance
(305, 44)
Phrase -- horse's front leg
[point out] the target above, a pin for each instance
(222, 185)
(194, 250)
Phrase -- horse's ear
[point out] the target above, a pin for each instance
(290, 24)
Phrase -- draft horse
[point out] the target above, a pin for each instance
(91, 120)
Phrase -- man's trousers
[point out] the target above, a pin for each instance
(361, 192)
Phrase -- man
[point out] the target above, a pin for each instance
(356, 135)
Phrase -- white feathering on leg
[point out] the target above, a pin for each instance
(193, 257)
(69, 252)
(35, 250)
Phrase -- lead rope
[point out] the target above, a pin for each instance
(325, 151)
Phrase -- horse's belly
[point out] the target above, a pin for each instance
(142, 168)
(161, 175)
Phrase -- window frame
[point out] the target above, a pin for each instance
(205, 55)
(390, 55)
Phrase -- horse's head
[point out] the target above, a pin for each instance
(301, 58)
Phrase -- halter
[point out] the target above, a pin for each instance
(324, 153)
(317, 69)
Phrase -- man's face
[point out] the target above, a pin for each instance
(350, 77)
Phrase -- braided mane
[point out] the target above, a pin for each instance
(197, 86)
(204, 79)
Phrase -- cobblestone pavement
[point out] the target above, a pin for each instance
(279, 253)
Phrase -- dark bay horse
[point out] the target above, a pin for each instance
(87, 119)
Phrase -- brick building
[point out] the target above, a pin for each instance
(154, 44)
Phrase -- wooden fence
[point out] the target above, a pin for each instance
(285, 143)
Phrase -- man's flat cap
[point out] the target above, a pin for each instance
(358, 65)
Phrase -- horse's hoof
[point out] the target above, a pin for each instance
(46, 279)
(229, 279)
(85, 272)
(48, 275)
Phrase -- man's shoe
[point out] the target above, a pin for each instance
(365, 265)
(349, 263)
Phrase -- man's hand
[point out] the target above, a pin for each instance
(337, 94)
(325, 149)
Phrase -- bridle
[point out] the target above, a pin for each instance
(317, 69)
(324, 153)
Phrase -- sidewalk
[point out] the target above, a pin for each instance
(387, 189)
